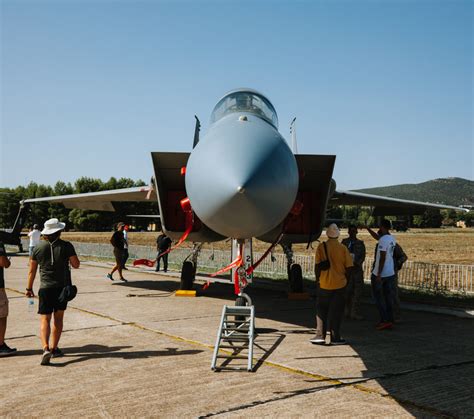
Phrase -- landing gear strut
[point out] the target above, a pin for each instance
(242, 299)
(295, 273)
(243, 249)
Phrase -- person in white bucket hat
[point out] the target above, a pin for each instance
(54, 256)
(333, 263)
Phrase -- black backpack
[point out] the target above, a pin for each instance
(324, 265)
(399, 257)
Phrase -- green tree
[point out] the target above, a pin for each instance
(9, 206)
(468, 218)
(86, 184)
(85, 220)
(431, 218)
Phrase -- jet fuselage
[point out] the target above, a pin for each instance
(242, 178)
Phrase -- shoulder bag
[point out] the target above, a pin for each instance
(324, 265)
(69, 291)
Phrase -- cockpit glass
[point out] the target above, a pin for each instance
(245, 102)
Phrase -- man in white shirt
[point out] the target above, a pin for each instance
(125, 247)
(34, 236)
(383, 274)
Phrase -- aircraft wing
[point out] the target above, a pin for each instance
(386, 205)
(102, 200)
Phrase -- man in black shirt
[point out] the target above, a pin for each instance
(355, 281)
(163, 243)
(53, 256)
(118, 242)
(4, 263)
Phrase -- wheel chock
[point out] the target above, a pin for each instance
(185, 293)
(299, 296)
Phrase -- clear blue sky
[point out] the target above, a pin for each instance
(90, 88)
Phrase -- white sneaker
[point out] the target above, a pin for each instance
(46, 357)
(318, 341)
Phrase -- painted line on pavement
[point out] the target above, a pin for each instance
(291, 370)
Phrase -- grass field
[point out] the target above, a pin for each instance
(422, 245)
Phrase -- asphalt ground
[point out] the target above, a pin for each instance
(135, 349)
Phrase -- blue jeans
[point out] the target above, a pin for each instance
(383, 293)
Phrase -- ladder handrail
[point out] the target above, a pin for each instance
(241, 332)
(218, 339)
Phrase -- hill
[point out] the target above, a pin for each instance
(450, 191)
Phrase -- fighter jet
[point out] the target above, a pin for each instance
(13, 236)
(243, 181)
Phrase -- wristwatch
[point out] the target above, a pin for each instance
(29, 289)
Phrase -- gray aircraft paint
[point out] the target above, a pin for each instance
(242, 178)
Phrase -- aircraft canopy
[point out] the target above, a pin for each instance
(245, 101)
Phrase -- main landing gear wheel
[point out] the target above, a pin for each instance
(296, 278)
(188, 273)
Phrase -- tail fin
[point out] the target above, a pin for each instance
(20, 219)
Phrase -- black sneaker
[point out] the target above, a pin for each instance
(57, 353)
(123, 279)
(339, 342)
(46, 357)
(109, 276)
(5, 350)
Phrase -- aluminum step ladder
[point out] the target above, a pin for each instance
(235, 335)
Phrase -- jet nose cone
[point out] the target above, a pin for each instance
(242, 183)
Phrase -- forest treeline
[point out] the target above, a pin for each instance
(453, 191)
(83, 220)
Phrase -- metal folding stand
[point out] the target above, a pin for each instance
(235, 335)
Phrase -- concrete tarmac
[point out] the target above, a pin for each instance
(135, 349)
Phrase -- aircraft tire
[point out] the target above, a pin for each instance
(188, 273)
(240, 302)
(296, 278)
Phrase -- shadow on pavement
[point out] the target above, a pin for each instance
(426, 362)
(89, 352)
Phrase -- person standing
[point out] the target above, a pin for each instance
(383, 274)
(54, 257)
(332, 284)
(163, 243)
(34, 236)
(125, 246)
(118, 242)
(355, 283)
(4, 264)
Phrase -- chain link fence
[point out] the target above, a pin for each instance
(435, 277)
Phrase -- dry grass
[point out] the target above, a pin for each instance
(422, 245)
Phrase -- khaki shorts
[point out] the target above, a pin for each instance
(3, 303)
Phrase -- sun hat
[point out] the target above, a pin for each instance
(120, 224)
(52, 226)
(332, 231)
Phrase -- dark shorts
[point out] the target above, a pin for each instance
(119, 254)
(48, 300)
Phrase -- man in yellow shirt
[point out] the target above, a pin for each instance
(332, 284)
